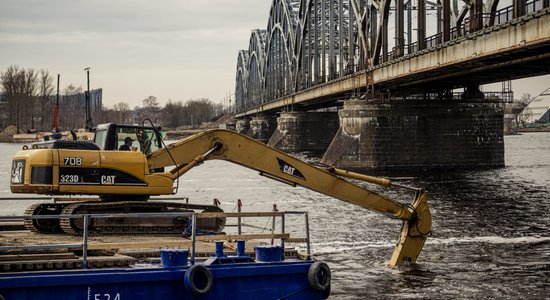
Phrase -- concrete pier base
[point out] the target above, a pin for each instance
(262, 127)
(231, 124)
(428, 134)
(242, 126)
(304, 131)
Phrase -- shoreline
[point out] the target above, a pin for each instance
(534, 129)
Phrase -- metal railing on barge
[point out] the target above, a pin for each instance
(87, 219)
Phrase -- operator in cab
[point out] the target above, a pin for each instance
(127, 144)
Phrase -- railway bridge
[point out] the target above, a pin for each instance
(389, 83)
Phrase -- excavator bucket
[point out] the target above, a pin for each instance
(413, 233)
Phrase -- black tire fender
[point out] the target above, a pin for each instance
(198, 279)
(326, 292)
(318, 276)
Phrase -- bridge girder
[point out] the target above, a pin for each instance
(241, 80)
(255, 66)
(308, 43)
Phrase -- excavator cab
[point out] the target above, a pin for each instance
(111, 136)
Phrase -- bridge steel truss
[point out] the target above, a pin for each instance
(310, 42)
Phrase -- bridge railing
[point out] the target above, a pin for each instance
(500, 16)
(504, 15)
(533, 6)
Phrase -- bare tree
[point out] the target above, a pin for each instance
(219, 109)
(526, 99)
(45, 90)
(29, 97)
(525, 116)
(9, 80)
(199, 111)
(520, 111)
(173, 114)
(139, 114)
(191, 114)
(107, 115)
(19, 87)
(151, 108)
(122, 112)
(30, 80)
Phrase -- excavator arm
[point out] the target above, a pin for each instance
(233, 147)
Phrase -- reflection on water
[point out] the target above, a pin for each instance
(491, 230)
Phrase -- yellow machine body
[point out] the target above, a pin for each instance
(86, 172)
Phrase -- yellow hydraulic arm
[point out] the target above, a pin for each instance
(231, 146)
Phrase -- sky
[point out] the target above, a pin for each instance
(170, 49)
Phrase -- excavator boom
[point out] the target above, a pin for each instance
(236, 148)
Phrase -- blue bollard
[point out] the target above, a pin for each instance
(240, 248)
(219, 249)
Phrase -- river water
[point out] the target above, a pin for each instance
(491, 228)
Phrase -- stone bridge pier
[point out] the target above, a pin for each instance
(304, 131)
(242, 126)
(426, 134)
(262, 127)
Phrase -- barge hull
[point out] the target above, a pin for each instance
(288, 280)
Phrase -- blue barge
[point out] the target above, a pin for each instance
(274, 280)
(179, 275)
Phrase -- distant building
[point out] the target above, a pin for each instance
(539, 108)
(72, 109)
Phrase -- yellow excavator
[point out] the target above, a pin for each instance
(124, 180)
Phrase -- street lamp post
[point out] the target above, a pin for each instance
(89, 123)
(56, 109)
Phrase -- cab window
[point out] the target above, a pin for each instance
(100, 138)
(144, 140)
(149, 142)
(126, 134)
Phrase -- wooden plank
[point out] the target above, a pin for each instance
(110, 258)
(256, 227)
(180, 243)
(99, 261)
(76, 258)
(227, 237)
(241, 214)
(136, 245)
(29, 257)
(296, 240)
(230, 246)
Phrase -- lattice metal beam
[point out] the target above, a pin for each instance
(311, 42)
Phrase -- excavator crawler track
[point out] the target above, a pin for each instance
(149, 225)
(43, 225)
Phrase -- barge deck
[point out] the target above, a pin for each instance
(190, 266)
(32, 251)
